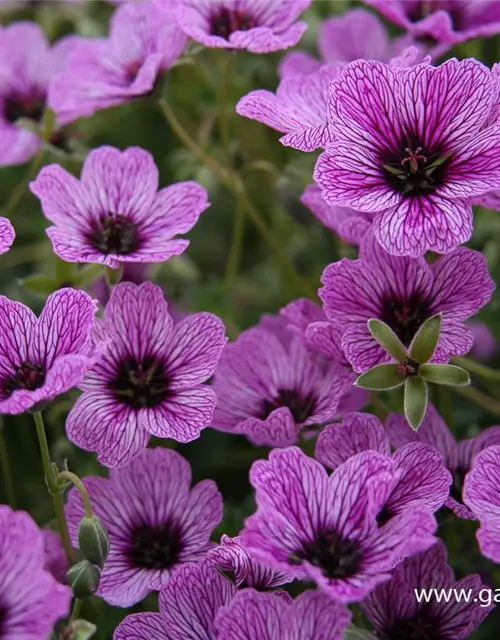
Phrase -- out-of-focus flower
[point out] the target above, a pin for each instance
(258, 27)
(155, 521)
(404, 292)
(324, 528)
(188, 606)
(272, 616)
(143, 43)
(485, 343)
(270, 386)
(413, 146)
(395, 612)
(458, 456)
(150, 381)
(55, 558)
(46, 356)
(31, 599)
(115, 213)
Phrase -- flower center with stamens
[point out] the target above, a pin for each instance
(115, 234)
(405, 317)
(140, 384)
(415, 171)
(24, 107)
(301, 407)
(421, 627)
(155, 547)
(226, 21)
(337, 557)
(27, 376)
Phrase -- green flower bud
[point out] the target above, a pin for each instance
(93, 541)
(84, 579)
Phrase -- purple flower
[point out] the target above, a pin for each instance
(150, 381)
(272, 616)
(443, 23)
(412, 147)
(7, 235)
(481, 496)
(243, 24)
(298, 109)
(404, 292)
(394, 611)
(55, 558)
(356, 35)
(31, 600)
(324, 528)
(46, 356)
(27, 66)
(188, 605)
(348, 224)
(458, 456)
(155, 521)
(115, 213)
(421, 476)
(270, 386)
(104, 72)
(231, 558)
(485, 343)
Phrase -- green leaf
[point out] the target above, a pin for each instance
(353, 633)
(445, 374)
(381, 377)
(39, 284)
(387, 339)
(416, 397)
(425, 342)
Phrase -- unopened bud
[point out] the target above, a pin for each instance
(93, 541)
(84, 579)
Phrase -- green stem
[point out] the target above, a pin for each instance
(488, 403)
(232, 181)
(21, 188)
(481, 370)
(233, 260)
(113, 276)
(445, 404)
(8, 481)
(54, 489)
(224, 104)
(74, 479)
(77, 609)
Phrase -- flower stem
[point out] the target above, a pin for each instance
(488, 403)
(74, 479)
(8, 482)
(223, 105)
(233, 260)
(233, 182)
(54, 488)
(481, 370)
(77, 608)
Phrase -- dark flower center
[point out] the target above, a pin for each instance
(458, 484)
(418, 11)
(405, 317)
(24, 107)
(115, 234)
(27, 376)
(421, 627)
(408, 367)
(300, 406)
(415, 171)
(337, 557)
(226, 21)
(155, 547)
(141, 384)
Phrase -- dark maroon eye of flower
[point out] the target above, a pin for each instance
(116, 234)
(422, 627)
(157, 547)
(25, 107)
(141, 384)
(458, 484)
(415, 171)
(300, 407)
(418, 11)
(405, 317)
(334, 555)
(226, 21)
(27, 376)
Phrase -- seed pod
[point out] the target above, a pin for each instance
(93, 541)
(84, 579)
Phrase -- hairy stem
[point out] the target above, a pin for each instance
(75, 480)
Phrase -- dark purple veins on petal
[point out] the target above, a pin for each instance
(225, 21)
(301, 407)
(141, 384)
(115, 234)
(336, 556)
(421, 627)
(26, 376)
(17, 107)
(405, 317)
(155, 547)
